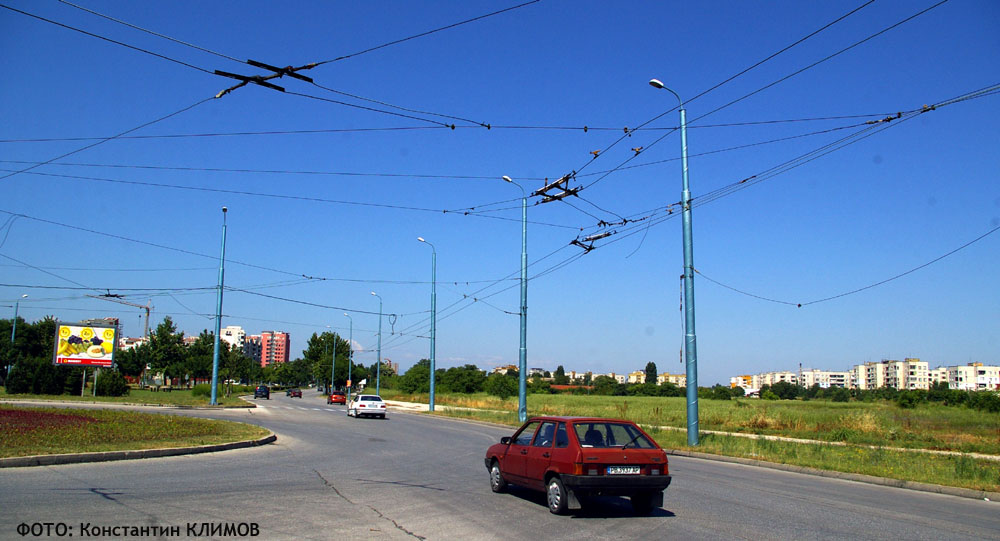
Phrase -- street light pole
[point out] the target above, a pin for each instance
(378, 360)
(522, 382)
(690, 341)
(218, 314)
(350, 356)
(333, 364)
(433, 315)
(13, 333)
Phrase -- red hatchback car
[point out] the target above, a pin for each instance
(337, 397)
(574, 458)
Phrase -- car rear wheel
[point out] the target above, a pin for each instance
(556, 495)
(497, 482)
(642, 503)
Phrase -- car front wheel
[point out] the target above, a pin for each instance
(497, 482)
(556, 495)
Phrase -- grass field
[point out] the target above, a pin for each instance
(859, 425)
(39, 431)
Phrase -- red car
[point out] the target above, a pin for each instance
(572, 459)
(337, 397)
(295, 393)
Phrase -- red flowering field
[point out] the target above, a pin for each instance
(39, 431)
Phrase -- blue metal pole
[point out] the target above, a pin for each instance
(218, 314)
(433, 316)
(522, 365)
(350, 356)
(378, 360)
(690, 340)
(333, 365)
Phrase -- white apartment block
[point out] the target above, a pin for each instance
(679, 380)
(825, 378)
(910, 373)
(234, 336)
(637, 377)
(974, 377)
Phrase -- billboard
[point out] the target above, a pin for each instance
(85, 344)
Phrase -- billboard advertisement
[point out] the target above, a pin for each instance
(84, 344)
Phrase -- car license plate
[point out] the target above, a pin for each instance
(623, 470)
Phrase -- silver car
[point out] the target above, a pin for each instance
(366, 405)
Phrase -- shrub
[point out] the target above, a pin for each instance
(840, 394)
(111, 383)
(205, 389)
(501, 385)
(19, 381)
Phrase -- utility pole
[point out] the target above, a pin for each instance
(218, 314)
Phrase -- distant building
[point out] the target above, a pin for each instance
(536, 372)
(234, 336)
(910, 373)
(274, 347)
(505, 369)
(825, 378)
(974, 377)
(679, 380)
(252, 347)
(127, 342)
(638, 376)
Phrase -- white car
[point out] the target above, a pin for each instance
(366, 405)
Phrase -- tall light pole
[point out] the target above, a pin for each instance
(13, 333)
(378, 360)
(218, 313)
(433, 314)
(690, 341)
(522, 382)
(333, 363)
(350, 356)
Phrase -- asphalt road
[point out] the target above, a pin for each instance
(413, 476)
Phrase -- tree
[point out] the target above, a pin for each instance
(651, 372)
(201, 355)
(605, 385)
(166, 349)
(560, 377)
(785, 390)
(132, 362)
(501, 385)
(465, 379)
(417, 379)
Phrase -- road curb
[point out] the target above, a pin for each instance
(31, 401)
(107, 456)
(861, 478)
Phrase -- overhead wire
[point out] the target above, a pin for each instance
(106, 139)
(427, 33)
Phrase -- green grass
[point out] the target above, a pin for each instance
(858, 424)
(174, 398)
(26, 431)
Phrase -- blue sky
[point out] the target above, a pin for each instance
(346, 201)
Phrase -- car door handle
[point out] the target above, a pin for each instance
(524, 451)
(545, 455)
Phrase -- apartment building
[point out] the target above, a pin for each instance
(274, 347)
(637, 376)
(825, 378)
(234, 336)
(679, 380)
(252, 347)
(974, 377)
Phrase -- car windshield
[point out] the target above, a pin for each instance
(606, 434)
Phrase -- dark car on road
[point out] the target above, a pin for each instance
(575, 459)
(295, 393)
(262, 392)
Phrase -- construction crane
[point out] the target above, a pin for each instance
(118, 298)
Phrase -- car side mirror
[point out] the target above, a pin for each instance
(505, 440)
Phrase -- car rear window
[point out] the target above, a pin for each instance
(604, 434)
(371, 399)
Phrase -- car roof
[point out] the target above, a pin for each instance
(571, 419)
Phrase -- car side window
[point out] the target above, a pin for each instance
(524, 436)
(545, 435)
(562, 439)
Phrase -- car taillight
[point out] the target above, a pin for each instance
(578, 468)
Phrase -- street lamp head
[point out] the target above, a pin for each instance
(25, 296)
(224, 210)
(421, 239)
(655, 83)
(506, 178)
(373, 293)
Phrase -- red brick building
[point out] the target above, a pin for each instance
(274, 346)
